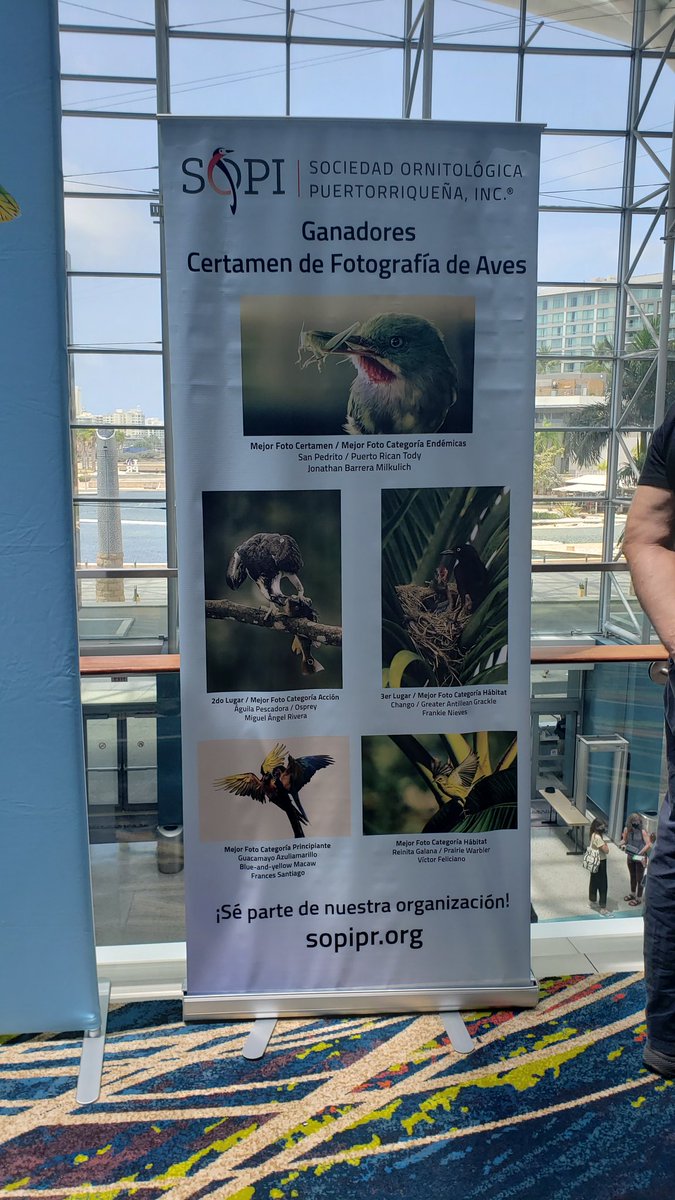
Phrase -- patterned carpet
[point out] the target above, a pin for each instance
(554, 1104)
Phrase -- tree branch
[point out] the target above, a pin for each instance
(226, 610)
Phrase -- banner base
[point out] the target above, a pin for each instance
(345, 1003)
(93, 1049)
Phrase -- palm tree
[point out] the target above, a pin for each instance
(638, 391)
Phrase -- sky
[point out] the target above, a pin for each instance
(235, 78)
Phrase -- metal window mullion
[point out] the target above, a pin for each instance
(111, 195)
(666, 295)
(656, 33)
(428, 63)
(645, 240)
(639, 205)
(520, 69)
(145, 79)
(627, 197)
(290, 14)
(650, 90)
(412, 83)
(162, 65)
(407, 55)
(106, 114)
(113, 274)
(73, 349)
(634, 300)
(642, 139)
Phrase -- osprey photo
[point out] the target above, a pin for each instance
(265, 558)
(361, 365)
(272, 583)
(274, 789)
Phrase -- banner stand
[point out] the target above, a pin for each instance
(93, 1049)
(259, 1038)
(444, 1001)
(460, 1038)
(352, 361)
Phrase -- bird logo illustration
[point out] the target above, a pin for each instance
(226, 166)
(9, 209)
(405, 381)
(280, 782)
(267, 558)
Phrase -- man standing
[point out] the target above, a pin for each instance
(649, 547)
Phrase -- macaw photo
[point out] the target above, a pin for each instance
(445, 568)
(439, 783)
(274, 790)
(272, 580)
(360, 365)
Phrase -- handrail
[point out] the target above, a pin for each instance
(567, 654)
(128, 664)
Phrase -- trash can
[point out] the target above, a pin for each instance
(169, 849)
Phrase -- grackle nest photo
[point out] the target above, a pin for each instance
(436, 630)
(445, 586)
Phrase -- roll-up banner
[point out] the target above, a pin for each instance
(351, 328)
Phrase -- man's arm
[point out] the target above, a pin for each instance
(649, 547)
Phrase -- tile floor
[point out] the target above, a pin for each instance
(140, 924)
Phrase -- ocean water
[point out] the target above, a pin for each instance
(143, 532)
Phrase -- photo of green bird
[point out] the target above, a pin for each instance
(405, 380)
(365, 365)
(439, 783)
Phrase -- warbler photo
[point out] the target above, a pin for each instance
(357, 365)
(439, 783)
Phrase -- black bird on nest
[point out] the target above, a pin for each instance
(471, 576)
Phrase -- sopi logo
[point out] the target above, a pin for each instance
(230, 178)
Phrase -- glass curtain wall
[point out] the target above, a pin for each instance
(601, 80)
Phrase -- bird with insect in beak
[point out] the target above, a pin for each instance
(405, 381)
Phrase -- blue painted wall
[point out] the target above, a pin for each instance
(47, 951)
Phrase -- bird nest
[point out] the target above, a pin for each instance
(435, 633)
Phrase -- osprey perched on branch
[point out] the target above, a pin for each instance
(405, 382)
(266, 558)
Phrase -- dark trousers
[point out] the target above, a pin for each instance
(660, 906)
(597, 884)
(636, 870)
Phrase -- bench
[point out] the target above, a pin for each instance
(568, 813)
